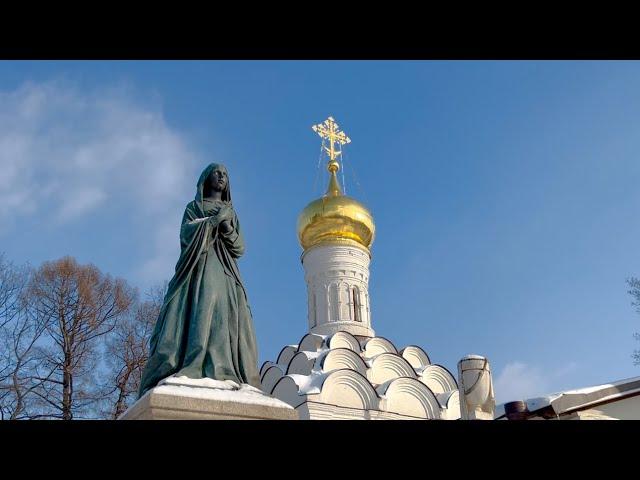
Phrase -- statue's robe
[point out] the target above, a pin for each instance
(205, 328)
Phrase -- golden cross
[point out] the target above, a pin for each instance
(329, 130)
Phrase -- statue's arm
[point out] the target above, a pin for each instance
(192, 223)
(233, 239)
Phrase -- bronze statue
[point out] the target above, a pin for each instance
(205, 328)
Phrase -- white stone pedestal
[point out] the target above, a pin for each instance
(182, 398)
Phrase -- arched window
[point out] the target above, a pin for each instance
(334, 304)
(345, 301)
(355, 302)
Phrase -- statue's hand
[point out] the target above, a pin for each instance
(225, 213)
(225, 226)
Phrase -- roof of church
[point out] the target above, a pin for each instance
(560, 403)
(362, 373)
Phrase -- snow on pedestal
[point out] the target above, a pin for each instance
(182, 398)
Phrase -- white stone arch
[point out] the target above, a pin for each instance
(438, 379)
(265, 366)
(286, 354)
(416, 356)
(409, 396)
(301, 364)
(342, 358)
(344, 340)
(348, 388)
(311, 342)
(387, 366)
(377, 345)
(271, 376)
(287, 390)
(450, 403)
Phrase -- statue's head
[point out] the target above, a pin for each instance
(214, 178)
(218, 180)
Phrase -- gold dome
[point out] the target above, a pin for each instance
(335, 218)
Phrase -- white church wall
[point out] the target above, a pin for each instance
(337, 278)
(625, 409)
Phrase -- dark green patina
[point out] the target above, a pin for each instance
(205, 327)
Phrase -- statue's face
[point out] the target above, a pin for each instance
(218, 179)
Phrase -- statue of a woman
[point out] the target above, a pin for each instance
(205, 327)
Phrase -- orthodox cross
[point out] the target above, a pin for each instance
(329, 130)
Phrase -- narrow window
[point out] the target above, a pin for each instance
(334, 303)
(355, 301)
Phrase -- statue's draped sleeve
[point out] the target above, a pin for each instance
(194, 232)
(193, 222)
(234, 240)
(230, 246)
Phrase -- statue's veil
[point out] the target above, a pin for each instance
(204, 176)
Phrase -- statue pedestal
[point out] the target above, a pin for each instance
(182, 398)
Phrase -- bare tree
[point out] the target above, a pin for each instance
(9, 293)
(78, 304)
(12, 284)
(22, 359)
(19, 334)
(128, 350)
(634, 285)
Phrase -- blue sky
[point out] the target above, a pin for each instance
(505, 194)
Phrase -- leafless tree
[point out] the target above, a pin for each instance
(22, 365)
(634, 285)
(78, 304)
(12, 284)
(127, 352)
(19, 335)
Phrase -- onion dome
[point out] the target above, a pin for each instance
(335, 218)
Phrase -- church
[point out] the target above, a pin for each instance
(342, 368)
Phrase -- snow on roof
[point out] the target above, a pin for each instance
(313, 382)
(473, 357)
(308, 384)
(562, 402)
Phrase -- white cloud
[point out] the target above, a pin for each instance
(565, 370)
(79, 152)
(165, 249)
(519, 381)
(76, 202)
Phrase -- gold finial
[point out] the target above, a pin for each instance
(329, 130)
(335, 218)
